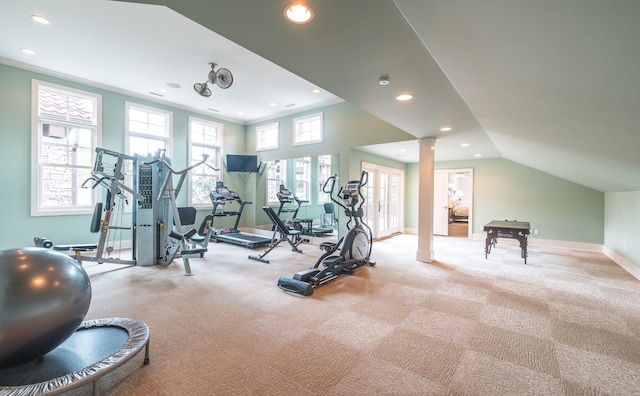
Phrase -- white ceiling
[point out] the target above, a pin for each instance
(550, 84)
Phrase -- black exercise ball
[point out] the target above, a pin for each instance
(44, 297)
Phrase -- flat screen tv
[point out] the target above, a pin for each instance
(242, 163)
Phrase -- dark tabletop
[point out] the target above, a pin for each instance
(514, 225)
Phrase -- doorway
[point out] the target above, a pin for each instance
(453, 202)
(383, 209)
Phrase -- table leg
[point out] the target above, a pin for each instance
(487, 244)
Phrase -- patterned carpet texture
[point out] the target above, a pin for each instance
(568, 323)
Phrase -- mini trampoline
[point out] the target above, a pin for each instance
(95, 349)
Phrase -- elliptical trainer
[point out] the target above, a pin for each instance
(355, 246)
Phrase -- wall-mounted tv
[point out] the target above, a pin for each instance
(242, 163)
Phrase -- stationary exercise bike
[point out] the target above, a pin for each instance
(354, 247)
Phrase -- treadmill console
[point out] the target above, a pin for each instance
(284, 195)
(222, 193)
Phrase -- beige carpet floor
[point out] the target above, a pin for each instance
(568, 323)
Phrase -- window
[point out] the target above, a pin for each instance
(147, 130)
(324, 171)
(307, 130)
(267, 136)
(205, 137)
(303, 175)
(65, 132)
(276, 175)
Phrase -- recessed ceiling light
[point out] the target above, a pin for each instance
(477, 155)
(403, 150)
(272, 104)
(316, 90)
(28, 51)
(404, 97)
(445, 129)
(464, 145)
(162, 90)
(298, 13)
(173, 85)
(40, 19)
(384, 80)
(241, 113)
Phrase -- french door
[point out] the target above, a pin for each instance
(383, 210)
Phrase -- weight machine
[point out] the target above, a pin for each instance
(157, 234)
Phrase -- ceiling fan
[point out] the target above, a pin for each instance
(222, 78)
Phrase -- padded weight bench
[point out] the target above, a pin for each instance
(280, 233)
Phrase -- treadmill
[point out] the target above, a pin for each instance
(221, 196)
(306, 225)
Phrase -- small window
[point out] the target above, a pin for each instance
(324, 171)
(66, 131)
(205, 137)
(276, 175)
(307, 130)
(303, 175)
(268, 136)
(147, 130)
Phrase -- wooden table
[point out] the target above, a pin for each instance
(507, 229)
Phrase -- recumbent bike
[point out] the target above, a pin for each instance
(354, 247)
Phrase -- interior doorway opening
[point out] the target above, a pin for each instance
(453, 203)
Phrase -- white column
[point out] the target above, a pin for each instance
(425, 200)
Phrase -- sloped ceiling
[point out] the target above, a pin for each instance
(553, 85)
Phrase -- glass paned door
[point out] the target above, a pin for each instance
(384, 200)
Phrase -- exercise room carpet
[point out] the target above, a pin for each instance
(568, 323)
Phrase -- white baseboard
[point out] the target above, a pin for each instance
(627, 265)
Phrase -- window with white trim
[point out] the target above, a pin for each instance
(276, 175)
(324, 171)
(66, 128)
(307, 129)
(147, 130)
(302, 168)
(267, 136)
(205, 137)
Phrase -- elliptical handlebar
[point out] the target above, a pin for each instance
(331, 179)
(364, 178)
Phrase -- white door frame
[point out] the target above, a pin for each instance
(441, 202)
(468, 199)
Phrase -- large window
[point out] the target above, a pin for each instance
(205, 137)
(276, 175)
(148, 129)
(307, 130)
(267, 136)
(324, 171)
(302, 168)
(65, 132)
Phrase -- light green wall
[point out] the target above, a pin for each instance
(503, 189)
(622, 224)
(15, 156)
(561, 210)
(345, 126)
